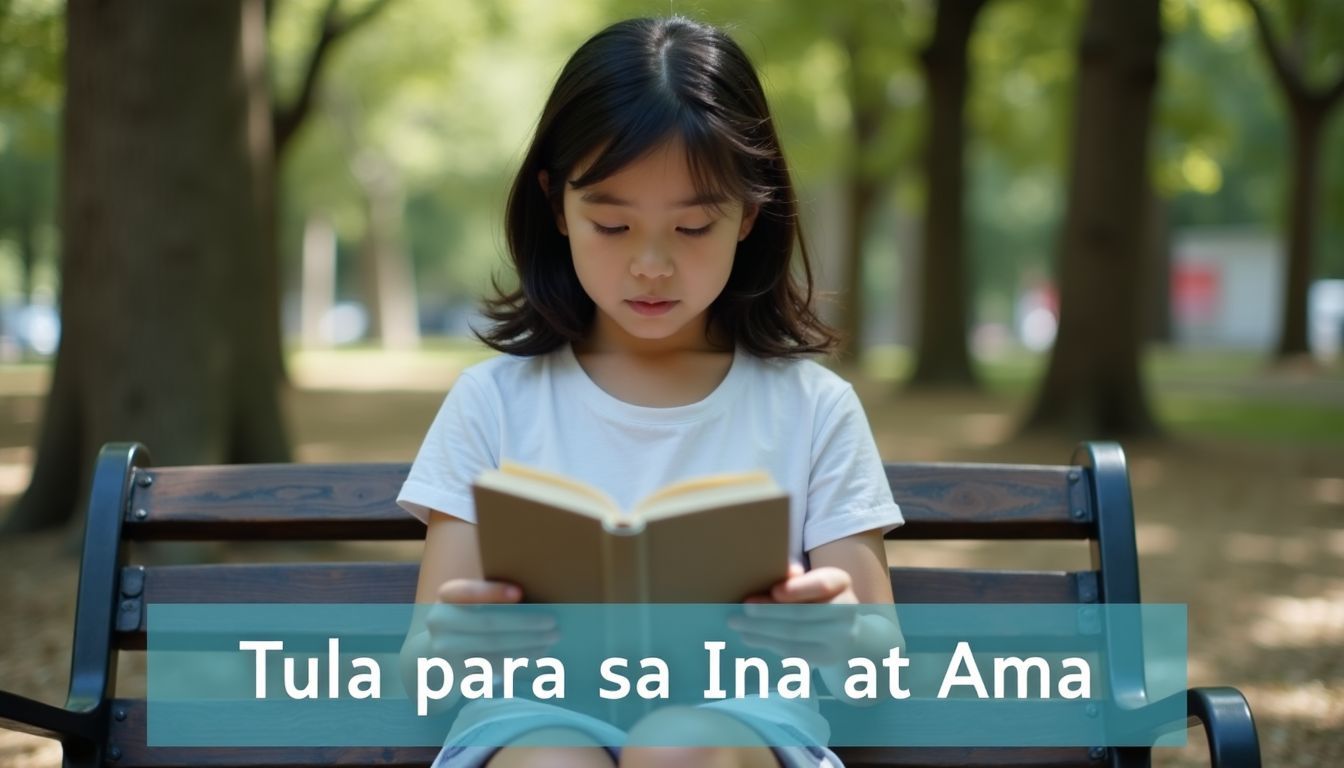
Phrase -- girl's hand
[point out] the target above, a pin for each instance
(779, 622)
(463, 624)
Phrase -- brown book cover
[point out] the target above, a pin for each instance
(715, 539)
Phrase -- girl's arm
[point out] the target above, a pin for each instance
(450, 553)
(863, 557)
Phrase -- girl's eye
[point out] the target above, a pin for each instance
(601, 230)
(697, 232)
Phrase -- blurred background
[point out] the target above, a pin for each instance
(257, 231)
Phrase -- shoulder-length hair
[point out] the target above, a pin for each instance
(626, 91)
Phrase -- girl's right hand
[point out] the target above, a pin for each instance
(464, 624)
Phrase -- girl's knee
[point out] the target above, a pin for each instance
(536, 750)
(685, 736)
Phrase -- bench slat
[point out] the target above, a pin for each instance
(990, 501)
(129, 735)
(395, 583)
(270, 501)
(358, 501)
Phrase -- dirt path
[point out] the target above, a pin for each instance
(1249, 535)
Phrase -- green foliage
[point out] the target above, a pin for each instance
(446, 92)
(32, 41)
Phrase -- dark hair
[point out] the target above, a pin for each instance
(626, 91)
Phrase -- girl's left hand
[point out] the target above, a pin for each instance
(791, 622)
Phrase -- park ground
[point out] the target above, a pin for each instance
(1240, 514)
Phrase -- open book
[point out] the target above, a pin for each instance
(715, 539)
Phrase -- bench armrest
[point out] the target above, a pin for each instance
(1222, 711)
(20, 713)
(1228, 724)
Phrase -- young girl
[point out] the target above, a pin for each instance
(658, 333)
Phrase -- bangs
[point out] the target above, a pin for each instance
(723, 166)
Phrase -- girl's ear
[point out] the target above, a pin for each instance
(544, 179)
(748, 219)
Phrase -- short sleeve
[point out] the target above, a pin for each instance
(462, 441)
(847, 492)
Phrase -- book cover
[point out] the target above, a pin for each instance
(715, 539)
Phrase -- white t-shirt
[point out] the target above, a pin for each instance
(794, 418)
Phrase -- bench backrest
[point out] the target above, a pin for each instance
(1087, 500)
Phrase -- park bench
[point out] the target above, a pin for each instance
(133, 501)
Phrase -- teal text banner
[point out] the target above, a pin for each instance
(957, 675)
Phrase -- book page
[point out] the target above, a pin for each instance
(548, 488)
(707, 492)
(533, 474)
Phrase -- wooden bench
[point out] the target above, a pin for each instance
(133, 501)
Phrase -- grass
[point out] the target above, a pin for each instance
(1212, 393)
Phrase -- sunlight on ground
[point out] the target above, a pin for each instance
(16, 467)
(1300, 622)
(19, 750)
(1311, 703)
(1246, 547)
(1156, 538)
(1326, 490)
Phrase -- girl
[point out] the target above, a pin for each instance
(657, 334)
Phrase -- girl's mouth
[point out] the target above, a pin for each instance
(651, 308)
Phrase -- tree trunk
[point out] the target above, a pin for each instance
(1302, 197)
(941, 356)
(27, 255)
(1157, 293)
(863, 190)
(389, 288)
(1093, 387)
(165, 337)
(264, 155)
(862, 193)
(1309, 108)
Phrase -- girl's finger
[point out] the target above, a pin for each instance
(815, 586)
(475, 591)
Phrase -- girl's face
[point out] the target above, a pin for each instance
(650, 252)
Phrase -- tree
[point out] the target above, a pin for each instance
(942, 358)
(163, 326)
(1309, 109)
(285, 118)
(874, 38)
(1093, 386)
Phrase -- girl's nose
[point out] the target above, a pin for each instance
(651, 262)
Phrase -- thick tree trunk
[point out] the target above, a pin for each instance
(942, 358)
(1093, 387)
(165, 333)
(1302, 197)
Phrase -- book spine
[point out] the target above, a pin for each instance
(625, 576)
(625, 573)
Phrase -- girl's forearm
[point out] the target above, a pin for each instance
(876, 632)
